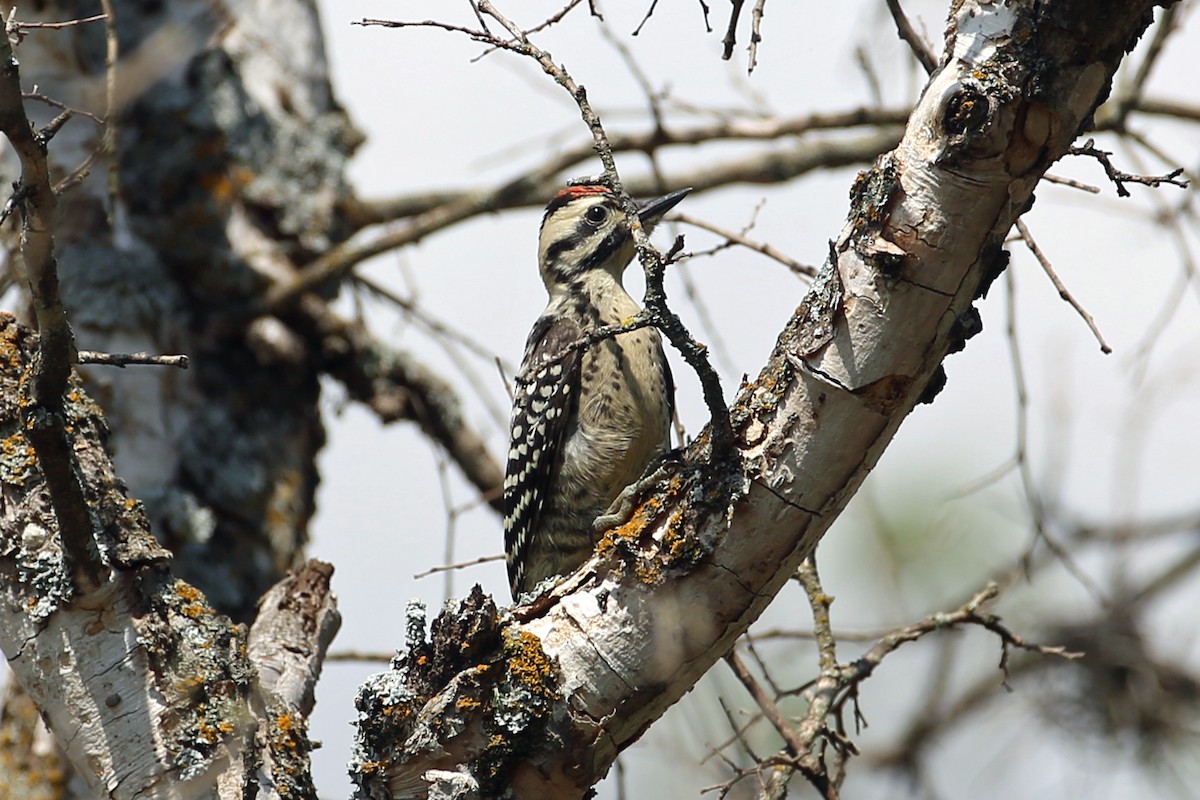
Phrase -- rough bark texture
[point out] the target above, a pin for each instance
(227, 171)
(83, 659)
(542, 700)
(149, 691)
(220, 174)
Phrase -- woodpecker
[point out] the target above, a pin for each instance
(586, 422)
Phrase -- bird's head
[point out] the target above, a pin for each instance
(585, 230)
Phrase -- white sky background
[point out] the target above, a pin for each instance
(1118, 433)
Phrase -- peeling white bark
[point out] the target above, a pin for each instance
(228, 174)
(149, 691)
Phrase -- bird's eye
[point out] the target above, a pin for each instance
(597, 214)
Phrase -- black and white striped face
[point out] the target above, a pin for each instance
(584, 229)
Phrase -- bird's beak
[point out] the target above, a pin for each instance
(651, 211)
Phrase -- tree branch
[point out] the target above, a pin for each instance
(918, 46)
(56, 350)
(123, 360)
(1063, 292)
(531, 190)
(396, 386)
(1120, 178)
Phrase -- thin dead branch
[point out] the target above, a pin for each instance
(46, 425)
(1120, 178)
(919, 47)
(123, 360)
(1063, 291)
(740, 239)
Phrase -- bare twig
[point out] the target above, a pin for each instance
(1074, 184)
(649, 13)
(78, 174)
(70, 23)
(920, 49)
(822, 730)
(766, 703)
(112, 54)
(970, 613)
(733, 237)
(451, 523)
(1063, 292)
(756, 16)
(396, 386)
(553, 19)
(359, 655)
(1120, 178)
(531, 189)
(1037, 508)
(474, 562)
(126, 359)
(653, 98)
(863, 59)
(19, 27)
(50, 101)
(797, 746)
(1161, 108)
(1168, 23)
(478, 35)
(449, 339)
(730, 40)
(46, 415)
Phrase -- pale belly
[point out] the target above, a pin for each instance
(621, 425)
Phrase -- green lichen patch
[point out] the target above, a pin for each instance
(289, 745)
(871, 195)
(523, 703)
(205, 675)
(460, 650)
(18, 460)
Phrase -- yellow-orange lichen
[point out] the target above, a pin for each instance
(401, 711)
(20, 459)
(185, 685)
(528, 664)
(678, 545)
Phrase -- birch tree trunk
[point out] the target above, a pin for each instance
(220, 166)
(226, 168)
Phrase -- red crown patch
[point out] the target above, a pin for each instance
(582, 190)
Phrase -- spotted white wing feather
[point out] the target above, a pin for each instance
(545, 399)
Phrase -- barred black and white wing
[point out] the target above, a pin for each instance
(545, 398)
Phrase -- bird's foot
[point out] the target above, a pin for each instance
(621, 509)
